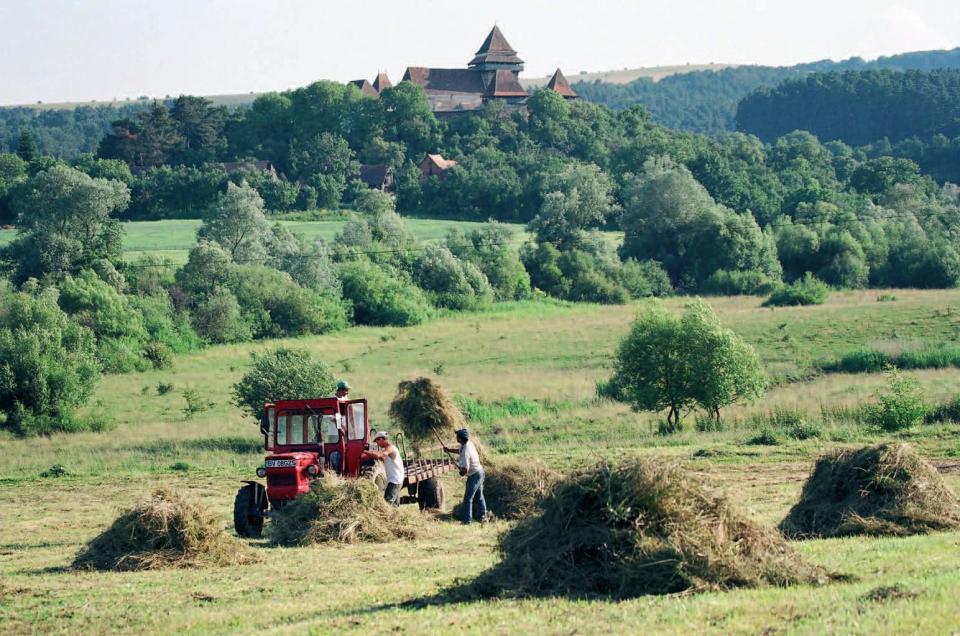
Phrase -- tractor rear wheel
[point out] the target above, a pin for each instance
(430, 495)
(248, 510)
(377, 474)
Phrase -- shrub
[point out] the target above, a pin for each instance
(218, 318)
(382, 297)
(900, 406)
(765, 437)
(752, 283)
(645, 278)
(805, 291)
(948, 411)
(48, 365)
(281, 374)
(450, 282)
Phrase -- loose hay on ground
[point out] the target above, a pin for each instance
(513, 488)
(423, 411)
(165, 531)
(342, 511)
(876, 490)
(643, 527)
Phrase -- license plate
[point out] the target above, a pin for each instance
(281, 463)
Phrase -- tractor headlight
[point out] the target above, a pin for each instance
(261, 472)
(313, 470)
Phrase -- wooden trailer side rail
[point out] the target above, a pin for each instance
(420, 469)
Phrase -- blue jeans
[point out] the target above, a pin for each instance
(474, 494)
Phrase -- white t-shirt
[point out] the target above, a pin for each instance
(394, 467)
(470, 458)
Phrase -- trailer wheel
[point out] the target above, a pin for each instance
(248, 510)
(430, 495)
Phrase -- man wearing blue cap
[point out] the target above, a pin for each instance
(470, 466)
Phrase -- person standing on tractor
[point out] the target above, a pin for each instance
(343, 390)
(393, 464)
(471, 468)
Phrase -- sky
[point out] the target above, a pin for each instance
(71, 50)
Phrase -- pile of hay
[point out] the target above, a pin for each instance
(423, 411)
(342, 511)
(880, 490)
(639, 528)
(165, 531)
(513, 488)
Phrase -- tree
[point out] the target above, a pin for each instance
(675, 363)
(48, 365)
(727, 370)
(237, 223)
(65, 223)
(26, 148)
(577, 198)
(281, 374)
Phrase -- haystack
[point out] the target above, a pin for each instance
(639, 528)
(424, 411)
(165, 531)
(342, 511)
(513, 488)
(878, 490)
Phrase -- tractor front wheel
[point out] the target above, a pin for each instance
(249, 507)
(430, 495)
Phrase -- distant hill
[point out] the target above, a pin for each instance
(627, 75)
(706, 101)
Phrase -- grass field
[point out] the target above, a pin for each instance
(544, 352)
(174, 238)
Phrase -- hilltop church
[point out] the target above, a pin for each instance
(492, 74)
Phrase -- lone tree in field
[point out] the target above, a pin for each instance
(281, 374)
(237, 222)
(675, 364)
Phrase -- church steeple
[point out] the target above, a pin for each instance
(559, 84)
(496, 54)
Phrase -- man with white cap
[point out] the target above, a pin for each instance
(393, 464)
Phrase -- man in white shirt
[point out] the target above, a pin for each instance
(392, 463)
(470, 466)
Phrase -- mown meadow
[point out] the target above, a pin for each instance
(526, 374)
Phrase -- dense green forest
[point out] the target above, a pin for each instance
(699, 214)
(912, 114)
(706, 101)
(63, 132)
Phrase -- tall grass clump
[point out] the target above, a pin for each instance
(165, 531)
(640, 527)
(483, 412)
(804, 291)
(342, 511)
(887, 489)
(934, 356)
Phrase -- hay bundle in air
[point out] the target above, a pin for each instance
(887, 489)
(642, 527)
(424, 411)
(338, 510)
(165, 531)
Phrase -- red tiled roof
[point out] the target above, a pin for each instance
(382, 82)
(365, 87)
(445, 80)
(506, 84)
(558, 83)
(495, 49)
(440, 162)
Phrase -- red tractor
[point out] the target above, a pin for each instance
(307, 438)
